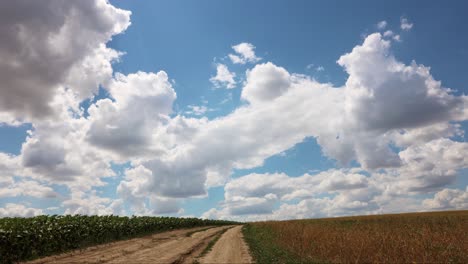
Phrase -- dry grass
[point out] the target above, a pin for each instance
(400, 238)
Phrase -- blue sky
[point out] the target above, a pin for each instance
(336, 108)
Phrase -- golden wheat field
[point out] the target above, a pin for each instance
(398, 238)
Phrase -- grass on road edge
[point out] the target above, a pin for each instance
(189, 234)
(212, 243)
(261, 242)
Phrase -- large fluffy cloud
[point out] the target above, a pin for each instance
(246, 137)
(288, 188)
(384, 94)
(59, 153)
(385, 100)
(448, 199)
(78, 151)
(91, 204)
(19, 210)
(384, 105)
(53, 44)
(348, 122)
(9, 165)
(346, 192)
(426, 168)
(432, 165)
(127, 125)
(265, 82)
(30, 188)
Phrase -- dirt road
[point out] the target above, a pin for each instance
(179, 246)
(230, 248)
(168, 247)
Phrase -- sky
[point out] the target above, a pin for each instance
(243, 110)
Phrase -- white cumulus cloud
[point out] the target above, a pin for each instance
(448, 199)
(405, 24)
(382, 24)
(19, 210)
(48, 46)
(245, 52)
(223, 77)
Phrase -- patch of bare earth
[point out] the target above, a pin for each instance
(230, 248)
(168, 247)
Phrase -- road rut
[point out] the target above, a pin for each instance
(230, 248)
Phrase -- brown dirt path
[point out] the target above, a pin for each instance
(230, 248)
(168, 247)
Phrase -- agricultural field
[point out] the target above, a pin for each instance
(436, 237)
(29, 238)
(398, 238)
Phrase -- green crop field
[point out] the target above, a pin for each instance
(437, 237)
(29, 238)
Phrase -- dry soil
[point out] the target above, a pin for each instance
(168, 247)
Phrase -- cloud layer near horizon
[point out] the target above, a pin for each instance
(394, 120)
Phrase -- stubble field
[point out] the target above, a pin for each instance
(440, 237)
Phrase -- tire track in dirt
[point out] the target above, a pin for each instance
(230, 248)
(168, 247)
